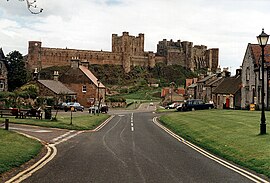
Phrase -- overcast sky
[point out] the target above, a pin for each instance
(88, 24)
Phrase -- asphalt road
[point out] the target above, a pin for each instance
(130, 148)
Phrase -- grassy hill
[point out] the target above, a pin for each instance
(133, 85)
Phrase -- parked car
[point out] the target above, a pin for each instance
(171, 106)
(104, 109)
(196, 104)
(93, 109)
(179, 107)
(60, 106)
(77, 106)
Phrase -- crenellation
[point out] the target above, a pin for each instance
(127, 51)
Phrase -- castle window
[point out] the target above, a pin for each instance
(84, 88)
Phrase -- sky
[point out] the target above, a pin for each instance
(89, 24)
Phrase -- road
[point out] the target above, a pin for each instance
(130, 148)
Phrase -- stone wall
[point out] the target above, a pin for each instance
(127, 51)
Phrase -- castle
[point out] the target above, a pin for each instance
(127, 51)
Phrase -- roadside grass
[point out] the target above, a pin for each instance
(16, 149)
(82, 122)
(231, 134)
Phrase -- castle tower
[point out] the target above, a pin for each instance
(128, 46)
(151, 59)
(34, 55)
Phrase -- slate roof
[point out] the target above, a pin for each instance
(91, 76)
(57, 87)
(206, 78)
(192, 85)
(229, 85)
(2, 55)
(256, 52)
(213, 82)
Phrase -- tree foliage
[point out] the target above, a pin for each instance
(17, 74)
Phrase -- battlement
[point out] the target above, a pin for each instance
(127, 51)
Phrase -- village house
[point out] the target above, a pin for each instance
(211, 86)
(172, 94)
(191, 86)
(201, 92)
(56, 90)
(3, 72)
(228, 93)
(82, 81)
(251, 76)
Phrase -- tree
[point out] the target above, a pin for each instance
(32, 7)
(17, 74)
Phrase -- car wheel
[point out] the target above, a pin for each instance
(210, 108)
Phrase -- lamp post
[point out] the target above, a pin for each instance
(262, 40)
(98, 82)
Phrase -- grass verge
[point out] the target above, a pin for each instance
(82, 122)
(231, 134)
(16, 149)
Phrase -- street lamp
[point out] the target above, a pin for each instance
(98, 82)
(262, 40)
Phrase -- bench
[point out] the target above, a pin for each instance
(31, 113)
(9, 112)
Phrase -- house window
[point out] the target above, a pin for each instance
(247, 74)
(260, 73)
(2, 85)
(84, 88)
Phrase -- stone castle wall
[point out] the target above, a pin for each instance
(127, 51)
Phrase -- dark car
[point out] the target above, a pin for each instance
(196, 104)
(77, 106)
(60, 106)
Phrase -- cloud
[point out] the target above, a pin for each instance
(88, 24)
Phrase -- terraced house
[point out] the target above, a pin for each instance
(3, 72)
(252, 76)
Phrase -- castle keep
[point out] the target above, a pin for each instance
(127, 51)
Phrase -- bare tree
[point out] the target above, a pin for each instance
(32, 7)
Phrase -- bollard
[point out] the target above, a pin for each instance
(6, 124)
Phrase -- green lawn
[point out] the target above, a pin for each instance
(82, 122)
(231, 134)
(16, 149)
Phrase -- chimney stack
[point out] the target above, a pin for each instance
(55, 75)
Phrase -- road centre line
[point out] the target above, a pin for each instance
(131, 122)
(230, 166)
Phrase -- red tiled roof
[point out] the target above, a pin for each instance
(257, 51)
(91, 76)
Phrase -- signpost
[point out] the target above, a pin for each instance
(71, 110)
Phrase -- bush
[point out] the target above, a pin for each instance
(115, 99)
